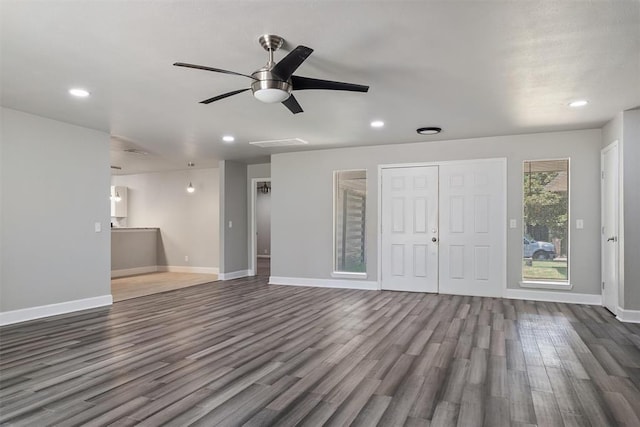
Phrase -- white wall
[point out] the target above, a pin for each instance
(301, 222)
(263, 223)
(188, 222)
(54, 188)
(631, 183)
(261, 170)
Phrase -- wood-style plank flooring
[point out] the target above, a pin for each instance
(128, 287)
(245, 353)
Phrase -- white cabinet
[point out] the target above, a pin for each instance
(118, 201)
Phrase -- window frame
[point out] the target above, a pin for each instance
(335, 273)
(547, 284)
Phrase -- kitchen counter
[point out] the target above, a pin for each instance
(134, 250)
(133, 228)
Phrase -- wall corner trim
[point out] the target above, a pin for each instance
(32, 313)
(628, 316)
(233, 275)
(324, 283)
(550, 296)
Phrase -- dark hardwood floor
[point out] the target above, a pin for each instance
(245, 353)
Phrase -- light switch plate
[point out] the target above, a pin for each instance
(230, 224)
(579, 224)
(97, 227)
(513, 223)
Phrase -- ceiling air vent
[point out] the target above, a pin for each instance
(279, 143)
(136, 151)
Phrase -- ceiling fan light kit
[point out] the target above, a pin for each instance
(432, 130)
(274, 82)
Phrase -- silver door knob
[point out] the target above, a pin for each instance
(433, 239)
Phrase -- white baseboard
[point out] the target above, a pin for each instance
(324, 283)
(133, 271)
(31, 313)
(566, 297)
(264, 256)
(188, 269)
(233, 275)
(163, 268)
(630, 316)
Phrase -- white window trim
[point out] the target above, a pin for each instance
(550, 284)
(346, 274)
(545, 285)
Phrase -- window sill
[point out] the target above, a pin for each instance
(546, 285)
(347, 275)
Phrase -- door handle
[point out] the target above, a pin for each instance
(612, 239)
(434, 239)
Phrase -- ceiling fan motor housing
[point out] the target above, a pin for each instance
(270, 88)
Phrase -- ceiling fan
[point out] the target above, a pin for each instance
(275, 81)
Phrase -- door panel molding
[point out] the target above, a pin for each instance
(408, 216)
(473, 228)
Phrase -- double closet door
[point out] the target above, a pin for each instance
(443, 228)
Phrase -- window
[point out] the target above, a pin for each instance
(546, 221)
(349, 204)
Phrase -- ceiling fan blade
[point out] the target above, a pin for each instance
(224, 95)
(217, 70)
(292, 104)
(303, 83)
(290, 63)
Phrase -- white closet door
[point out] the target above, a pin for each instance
(472, 228)
(409, 226)
(610, 206)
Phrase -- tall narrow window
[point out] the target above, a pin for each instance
(546, 221)
(350, 200)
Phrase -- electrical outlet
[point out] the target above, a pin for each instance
(513, 223)
(97, 227)
(579, 224)
(230, 224)
(186, 258)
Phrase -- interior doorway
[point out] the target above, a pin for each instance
(260, 253)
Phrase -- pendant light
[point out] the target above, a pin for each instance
(191, 188)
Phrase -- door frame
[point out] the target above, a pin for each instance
(253, 227)
(619, 219)
(503, 161)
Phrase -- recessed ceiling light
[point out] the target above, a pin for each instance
(80, 93)
(578, 103)
(228, 138)
(429, 130)
(377, 124)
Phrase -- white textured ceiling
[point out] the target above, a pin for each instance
(476, 68)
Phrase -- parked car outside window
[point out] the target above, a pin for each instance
(538, 250)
